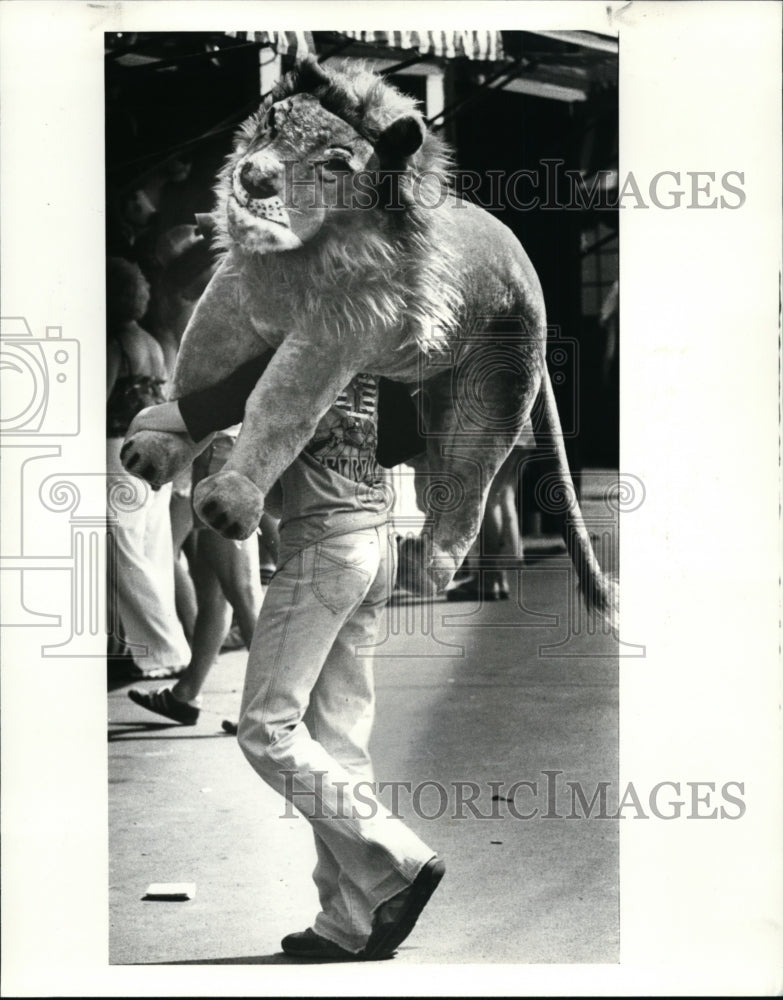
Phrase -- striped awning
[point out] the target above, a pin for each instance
(298, 43)
(447, 44)
(484, 45)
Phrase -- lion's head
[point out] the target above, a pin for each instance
(317, 148)
(338, 169)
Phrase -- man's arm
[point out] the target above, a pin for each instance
(222, 405)
(205, 411)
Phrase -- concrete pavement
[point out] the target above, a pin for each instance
(468, 705)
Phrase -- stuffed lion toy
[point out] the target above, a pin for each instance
(344, 251)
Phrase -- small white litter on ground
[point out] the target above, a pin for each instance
(170, 891)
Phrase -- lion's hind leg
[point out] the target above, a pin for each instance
(472, 425)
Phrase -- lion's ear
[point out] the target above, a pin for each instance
(311, 75)
(401, 139)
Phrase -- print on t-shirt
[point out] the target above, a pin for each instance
(346, 437)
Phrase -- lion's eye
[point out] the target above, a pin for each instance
(336, 166)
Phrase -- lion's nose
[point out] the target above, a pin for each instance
(257, 183)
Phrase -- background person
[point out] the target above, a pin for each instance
(228, 582)
(143, 590)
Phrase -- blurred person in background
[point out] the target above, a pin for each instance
(143, 591)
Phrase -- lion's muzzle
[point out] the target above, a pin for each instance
(257, 187)
(261, 181)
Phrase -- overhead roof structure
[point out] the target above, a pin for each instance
(561, 65)
(564, 66)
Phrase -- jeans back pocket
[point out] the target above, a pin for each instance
(337, 583)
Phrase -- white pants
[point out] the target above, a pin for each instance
(306, 717)
(144, 594)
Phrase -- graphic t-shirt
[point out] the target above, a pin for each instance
(336, 484)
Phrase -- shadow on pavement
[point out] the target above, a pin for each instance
(279, 958)
(138, 731)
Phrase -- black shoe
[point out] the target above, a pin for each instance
(395, 919)
(163, 702)
(308, 944)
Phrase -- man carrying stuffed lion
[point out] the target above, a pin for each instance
(308, 700)
(432, 292)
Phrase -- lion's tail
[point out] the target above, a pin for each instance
(598, 588)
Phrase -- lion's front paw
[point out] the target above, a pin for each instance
(229, 503)
(157, 456)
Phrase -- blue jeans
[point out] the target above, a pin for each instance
(306, 717)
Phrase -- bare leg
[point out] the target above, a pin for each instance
(499, 537)
(226, 578)
(212, 624)
(184, 590)
(500, 529)
(236, 567)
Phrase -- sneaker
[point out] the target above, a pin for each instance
(163, 702)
